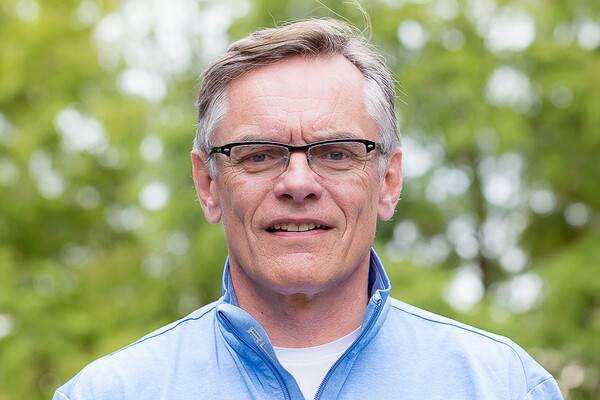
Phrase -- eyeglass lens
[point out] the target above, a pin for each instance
(325, 159)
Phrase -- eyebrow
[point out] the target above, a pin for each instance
(259, 138)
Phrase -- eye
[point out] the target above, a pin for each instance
(251, 157)
(258, 157)
(333, 153)
(336, 155)
(254, 154)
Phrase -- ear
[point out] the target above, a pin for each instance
(206, 187)
(390, 187)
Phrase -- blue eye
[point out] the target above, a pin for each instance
(258, 157)
(336, 155)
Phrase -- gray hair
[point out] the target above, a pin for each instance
(313, 39)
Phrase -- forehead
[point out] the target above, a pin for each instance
(305, 72)
(297, 100)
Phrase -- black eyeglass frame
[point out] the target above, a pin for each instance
(226, 148)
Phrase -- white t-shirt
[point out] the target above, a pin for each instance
(309, 365)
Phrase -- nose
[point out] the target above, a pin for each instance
(298, 182)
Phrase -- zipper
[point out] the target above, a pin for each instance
(348, 350)
(260, 354)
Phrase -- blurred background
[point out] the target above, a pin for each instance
(102, 238)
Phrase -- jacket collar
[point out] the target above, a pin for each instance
(242, 331)
(252, 344)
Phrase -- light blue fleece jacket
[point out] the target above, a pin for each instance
(401, 352)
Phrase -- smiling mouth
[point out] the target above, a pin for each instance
(292, 227)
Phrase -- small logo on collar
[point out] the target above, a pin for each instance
(259, 341)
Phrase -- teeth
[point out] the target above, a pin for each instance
(291, 227)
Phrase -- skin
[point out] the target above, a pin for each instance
(304, 288)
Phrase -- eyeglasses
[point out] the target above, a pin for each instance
(268, 159)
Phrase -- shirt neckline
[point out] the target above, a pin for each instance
(316, 353)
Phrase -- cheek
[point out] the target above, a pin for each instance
(357, 197)
(241, 199)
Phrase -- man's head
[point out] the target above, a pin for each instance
(311, 39)
(304, 229)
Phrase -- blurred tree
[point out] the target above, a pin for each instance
(101, 239)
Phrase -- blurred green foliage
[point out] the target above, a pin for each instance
(102, 239)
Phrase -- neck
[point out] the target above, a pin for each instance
(305, 320)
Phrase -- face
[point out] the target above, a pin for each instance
(298, 233)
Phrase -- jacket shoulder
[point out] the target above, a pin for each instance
(434, 322)
(466, 348)
(139, 366)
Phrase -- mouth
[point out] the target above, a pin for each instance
(292, 227)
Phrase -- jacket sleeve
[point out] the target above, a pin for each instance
(547, 390)
(59, 396)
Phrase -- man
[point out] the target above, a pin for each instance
(297, 153)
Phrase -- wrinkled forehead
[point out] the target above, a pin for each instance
(320, 96)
